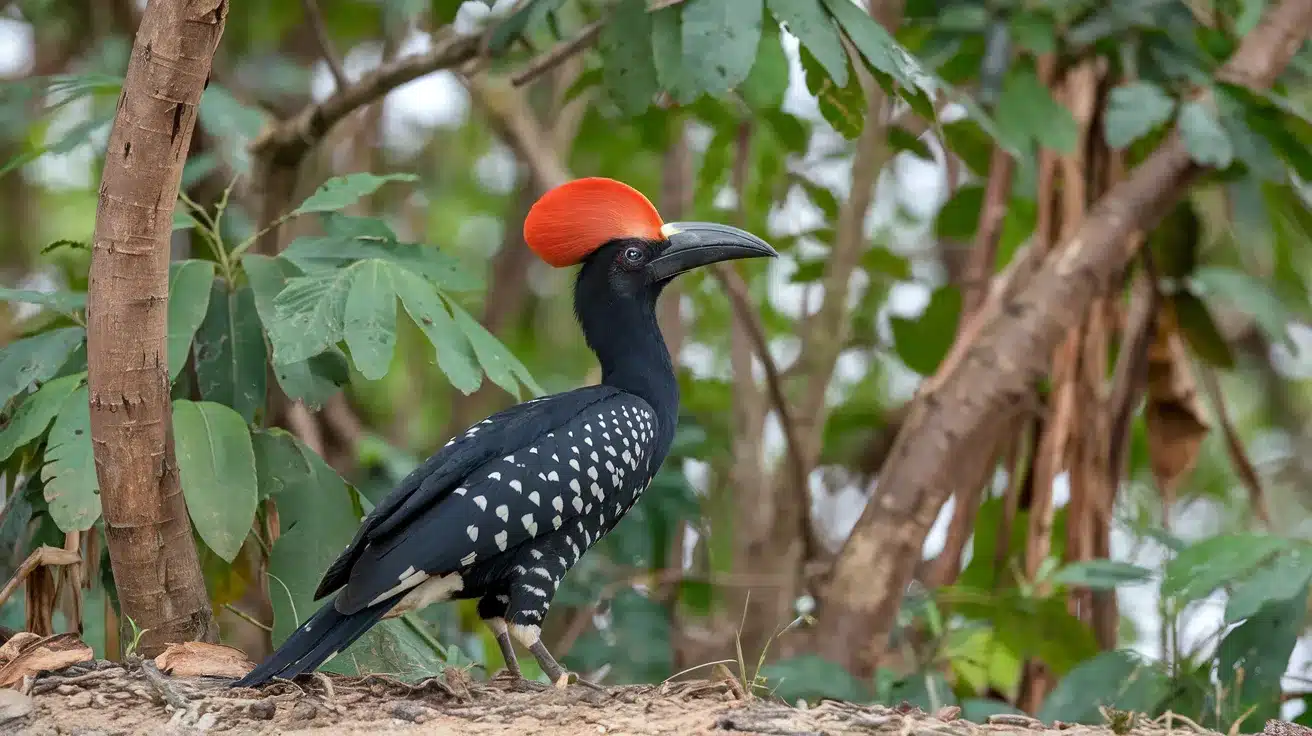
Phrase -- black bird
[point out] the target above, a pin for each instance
(503, 511)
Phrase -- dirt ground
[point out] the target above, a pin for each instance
(105, 698)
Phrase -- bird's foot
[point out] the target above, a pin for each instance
(569, 678)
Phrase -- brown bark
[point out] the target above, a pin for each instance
(154, 559)
(858, 607)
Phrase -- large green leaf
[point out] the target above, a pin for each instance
(719, 41)
(1254, 656)
(216, 464)
(1133, 111)
(279, 463)
(341, 192)
(67, 302)
(1118, 679)
(309, 315)
(454, 354)
(72, 491)
(318, 517)
(1248, 293)
(812, 26)
(230, 352)
(1101, 574)
(370, 319)
(1026, 111)
(35, 413)
(189, 300)
(811, 678)
(1279, 580)
(316, 379)
(1039, 627)
(767, 81)
(667, 55)
(1205, 139)
(625, 44)
(500, 364)
(923, 341)
(34, 359)
(843, 107)
(1200, 329)
(1206, 565)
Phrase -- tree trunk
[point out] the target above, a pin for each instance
(154, 559)
(859, 606)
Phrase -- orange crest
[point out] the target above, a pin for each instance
(574, 219)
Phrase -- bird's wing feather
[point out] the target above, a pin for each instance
(587, 463)
(441, 474)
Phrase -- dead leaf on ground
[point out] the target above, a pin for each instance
(44, 655)
(17, 643)
(1174, 415)
(196, 658)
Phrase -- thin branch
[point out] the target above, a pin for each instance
(290, 139)
(315, 17)
(1235, 446)
(508, 111)
(553, 57)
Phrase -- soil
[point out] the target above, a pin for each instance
(106, 698)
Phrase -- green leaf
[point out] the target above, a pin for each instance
(1200, 330)
(425, 307)
(370, 319)
(518, 22)
(1119, 679)
(1282, 579)
(1028, 626)
(316, 379)
(1247, 293)
(1208, 564)
(309, 315)
(767, 82)
(341, 192)
(230, 352)
(1204, 137)
(216, 464)
(67, 302)
(899, 139)
(815, 31)
(719, 41)
(1101, 574)
(1252, 659)
(35, 359)
(35, 413)
(667, 55)
(844, 108)
(499, 363)
(279, 463)
(884, 261)
(811, 677)
(72, 491)
(189, 300)
(1026, 111)
(922, 342)
(625, 45)
(1133, 111)
(183, 220)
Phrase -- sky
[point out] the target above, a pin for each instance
(439, 100)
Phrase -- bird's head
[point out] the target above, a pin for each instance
(620, 239)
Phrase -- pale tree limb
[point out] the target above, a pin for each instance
(314, 17)
(558, 54)
(858, 607)
(155, 562)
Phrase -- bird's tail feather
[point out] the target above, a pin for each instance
(325, 634)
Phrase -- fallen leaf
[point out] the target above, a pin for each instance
(17, 643)
(44, 655)
(195, 658)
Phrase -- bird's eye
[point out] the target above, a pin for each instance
(634, 255)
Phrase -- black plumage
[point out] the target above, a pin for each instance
(504, 510)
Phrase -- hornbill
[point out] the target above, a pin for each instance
(505, 509)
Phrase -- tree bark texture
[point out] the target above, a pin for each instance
(859, 605)
(154, 559)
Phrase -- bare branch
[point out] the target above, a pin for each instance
(556, 55)
(858, 607)
(315, 18)
(290, 139)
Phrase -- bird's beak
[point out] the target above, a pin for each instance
(696, 244)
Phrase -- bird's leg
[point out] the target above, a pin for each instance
(498, 626)
(492, 609)
(530, 636)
